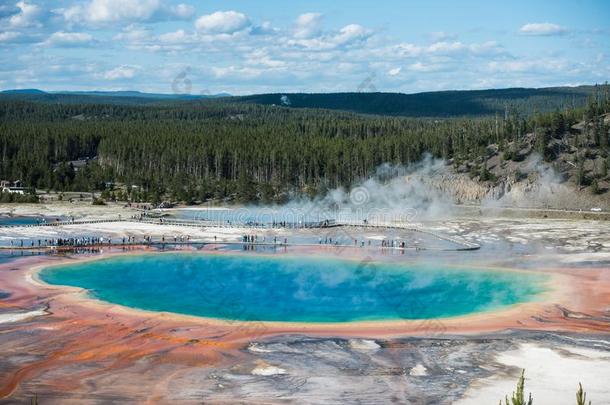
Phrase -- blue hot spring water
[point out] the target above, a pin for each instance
(294, 289)
(18, 221)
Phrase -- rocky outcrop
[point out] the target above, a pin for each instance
(460, 187)
(539, 189)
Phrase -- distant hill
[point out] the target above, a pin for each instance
(144, 95)
(523, 101)
(101, 97)
(456, 103)
(23, 91)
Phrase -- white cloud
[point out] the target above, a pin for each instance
(542, 29)
(113, 11)
(28, 15)
(237, 72)
(351, 33)
(183, 11)
(69, 39)
(406, 50)
(120, 72)
(424, 67)
(528, 66)
(446, 47)
(9, 36)
(449, 49)
(394, 71)
(348, 35)
(133, 34)
(104, 11)
(307, 25)
(260, 57)
(487, 48)
(243, 54)
(222, 22)
(176, 37)
(264, 29)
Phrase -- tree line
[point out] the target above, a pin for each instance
(195, 151)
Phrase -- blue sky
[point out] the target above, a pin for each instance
(248, 46)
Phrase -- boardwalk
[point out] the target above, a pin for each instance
(464, 245)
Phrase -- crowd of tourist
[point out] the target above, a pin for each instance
(250, 239)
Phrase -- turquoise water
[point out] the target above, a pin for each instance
(293, 289)
(24, 220)
(13, 221)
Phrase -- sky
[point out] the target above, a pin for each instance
(248, 46)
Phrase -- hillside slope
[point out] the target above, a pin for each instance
(521, 101)
(574, 176)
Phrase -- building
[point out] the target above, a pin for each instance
(14, 190)
(14, 187)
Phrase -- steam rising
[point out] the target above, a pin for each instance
(540, 187)
(392, 194)
(426, 190)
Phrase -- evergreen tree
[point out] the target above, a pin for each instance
(518, 397)
(202, 150)
(581, 396)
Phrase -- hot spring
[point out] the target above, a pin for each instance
(294, 288)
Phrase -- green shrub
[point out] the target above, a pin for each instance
(98, 201)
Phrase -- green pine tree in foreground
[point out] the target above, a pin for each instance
(518, 397)
(581, 396)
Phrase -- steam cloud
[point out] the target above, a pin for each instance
(393, 193)
(426, 190)
(541, 187)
